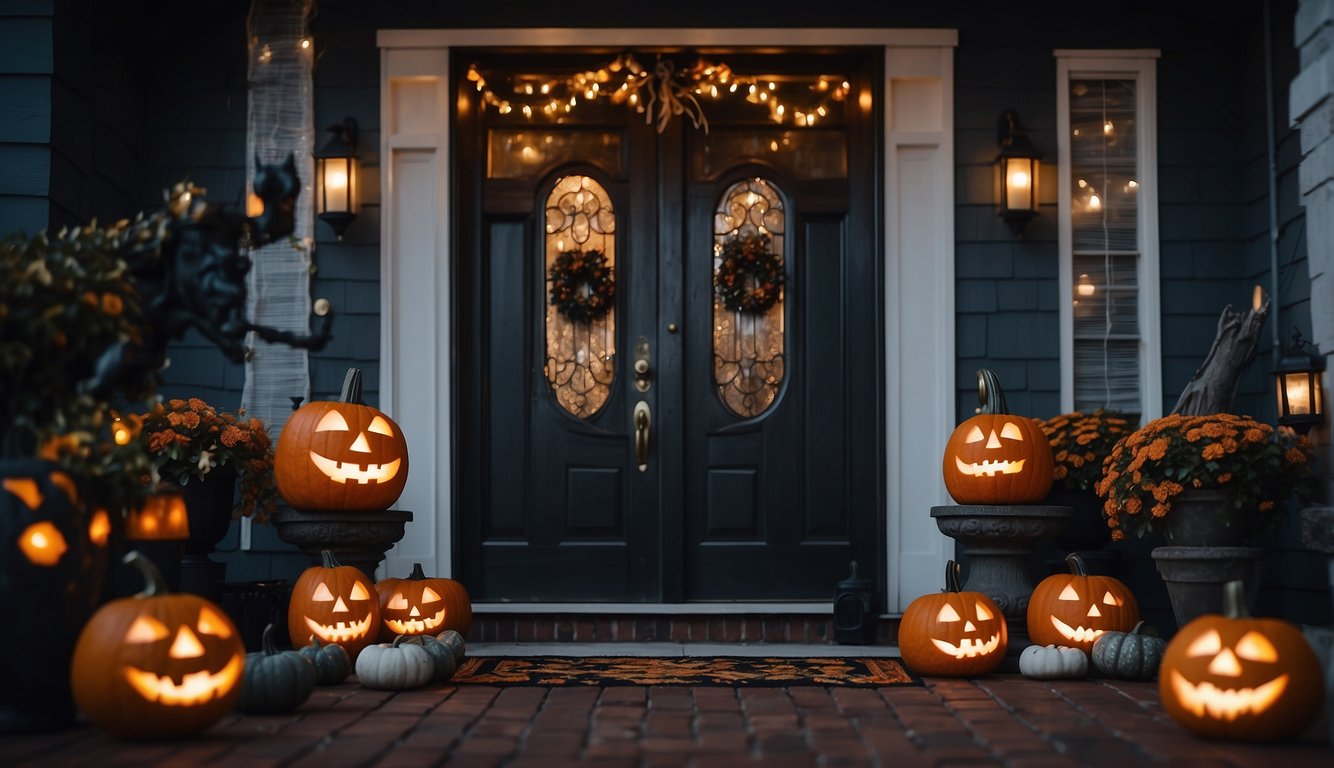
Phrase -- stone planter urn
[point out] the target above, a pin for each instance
(1203, 554)
(355, 538)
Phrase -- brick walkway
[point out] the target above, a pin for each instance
(998, 720)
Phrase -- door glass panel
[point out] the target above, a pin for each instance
(581, 294)
(520, 153)
(805, 152)
(748, 276)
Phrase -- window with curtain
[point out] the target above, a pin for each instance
(1108, 232)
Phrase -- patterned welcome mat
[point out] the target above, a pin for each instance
(719, 671)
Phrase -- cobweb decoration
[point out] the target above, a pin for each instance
(280, 122)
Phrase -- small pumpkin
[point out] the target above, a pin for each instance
(442, 657)
(332, 664)
(396, 666)
(1053, 662)
(953, 633)
(342, 455)
(1074, 609)
(1234, 677)
(157, 665)
(335, 603)
(1128, 655)
(275, 681)
(454, 641)
(996, 457)
(419, 605)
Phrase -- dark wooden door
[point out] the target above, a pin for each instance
(763, 471)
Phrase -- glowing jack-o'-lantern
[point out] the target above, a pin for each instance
(953, 633)
(1074, 609)
(156, 664)
(335, 603)
(342, 455)
(421, 606)
(163, 517)
(996, 457)
(1236, 677)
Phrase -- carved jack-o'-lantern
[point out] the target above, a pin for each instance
(163, 517)
(53, 549)
(341, 455)
(421, 606)
(335, 603)
(155, 664)
(996, 457)
(1235, 677)
(953, 633)
(1074, 609)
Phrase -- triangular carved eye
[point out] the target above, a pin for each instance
(947, 614)
(333, 421)
(430, 595)
(322, 594)
(1068, 593)
(983, 614)
(1111, 599)
(398, 602)
(1011, 431)
(1254, 646)
(359, 592)
(1207, 644)
(380, 427)
(974, 436)
(210, 623)
(146, 629)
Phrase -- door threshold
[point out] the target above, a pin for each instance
(666, 609)
(689, 650)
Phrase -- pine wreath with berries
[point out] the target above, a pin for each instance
(582, 286)
(750, 276)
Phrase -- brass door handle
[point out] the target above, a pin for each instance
(643, 422)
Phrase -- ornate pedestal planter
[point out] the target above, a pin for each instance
(1195, 577)
(209, 503)
(355, 538)
(997, 543)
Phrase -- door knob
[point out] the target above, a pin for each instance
(641, 367)
(643, 379)
(643, 422)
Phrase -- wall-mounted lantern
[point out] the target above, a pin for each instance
(336, 172)
(1017, 170)
(1298, 381)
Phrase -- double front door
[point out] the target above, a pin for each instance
(669, 347)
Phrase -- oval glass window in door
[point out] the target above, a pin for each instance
(580, 247)
(749, 276)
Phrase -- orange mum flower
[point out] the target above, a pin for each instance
(1212, 451)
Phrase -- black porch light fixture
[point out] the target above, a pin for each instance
(1017, 171)
(1298, 381)
(336, 172)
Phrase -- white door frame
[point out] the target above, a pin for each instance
(918, 194)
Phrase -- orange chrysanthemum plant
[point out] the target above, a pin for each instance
(189, 439)
(1255, 465)
(1081, 442)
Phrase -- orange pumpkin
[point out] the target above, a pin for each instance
(157, 665)
(335, 603)
(1233, 677)
(995, 457)
(342, 455)
(421, 606)
(1074, 609)
(954, 634)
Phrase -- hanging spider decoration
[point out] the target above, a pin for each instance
(582, 286)
(750, 276)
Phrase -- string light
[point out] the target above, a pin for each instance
(661, 93)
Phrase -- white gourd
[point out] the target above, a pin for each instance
(1052, 662)
(394, 667)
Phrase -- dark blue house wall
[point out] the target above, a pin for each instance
(27, 65)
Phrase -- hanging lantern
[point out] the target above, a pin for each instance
(336, 172)
(1298, 382)
(1017, 168)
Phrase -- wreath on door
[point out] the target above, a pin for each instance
(750, 275)
(582, 286)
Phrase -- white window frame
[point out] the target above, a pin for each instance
(1139, 65)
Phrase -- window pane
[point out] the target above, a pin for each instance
(520, 153)
(748, 324)
(1107, 375)
(1106, 295)
(1103, 165)
(805, 152)
(580, 296)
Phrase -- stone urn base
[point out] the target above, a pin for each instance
(355, 538)
(1195, 577)
(998, 542)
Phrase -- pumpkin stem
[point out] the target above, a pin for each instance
(352, 387)
(1076, 564)
(1234, 600)
(315, 641)
(951, 576)
(328, 560)
(399, 640)
(154, 584)
(1138, 626)
(270, 648)
(417, 573)
(989, 392)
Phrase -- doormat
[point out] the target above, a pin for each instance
(726, 671)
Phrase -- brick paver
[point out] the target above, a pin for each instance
(1002, 720)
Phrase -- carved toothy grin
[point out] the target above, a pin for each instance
(990, 468)
(195, 688)
(967, 647)
(342, 631)
(343, 471)
(1226, 703)
(416, 626)
(1077, 634)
